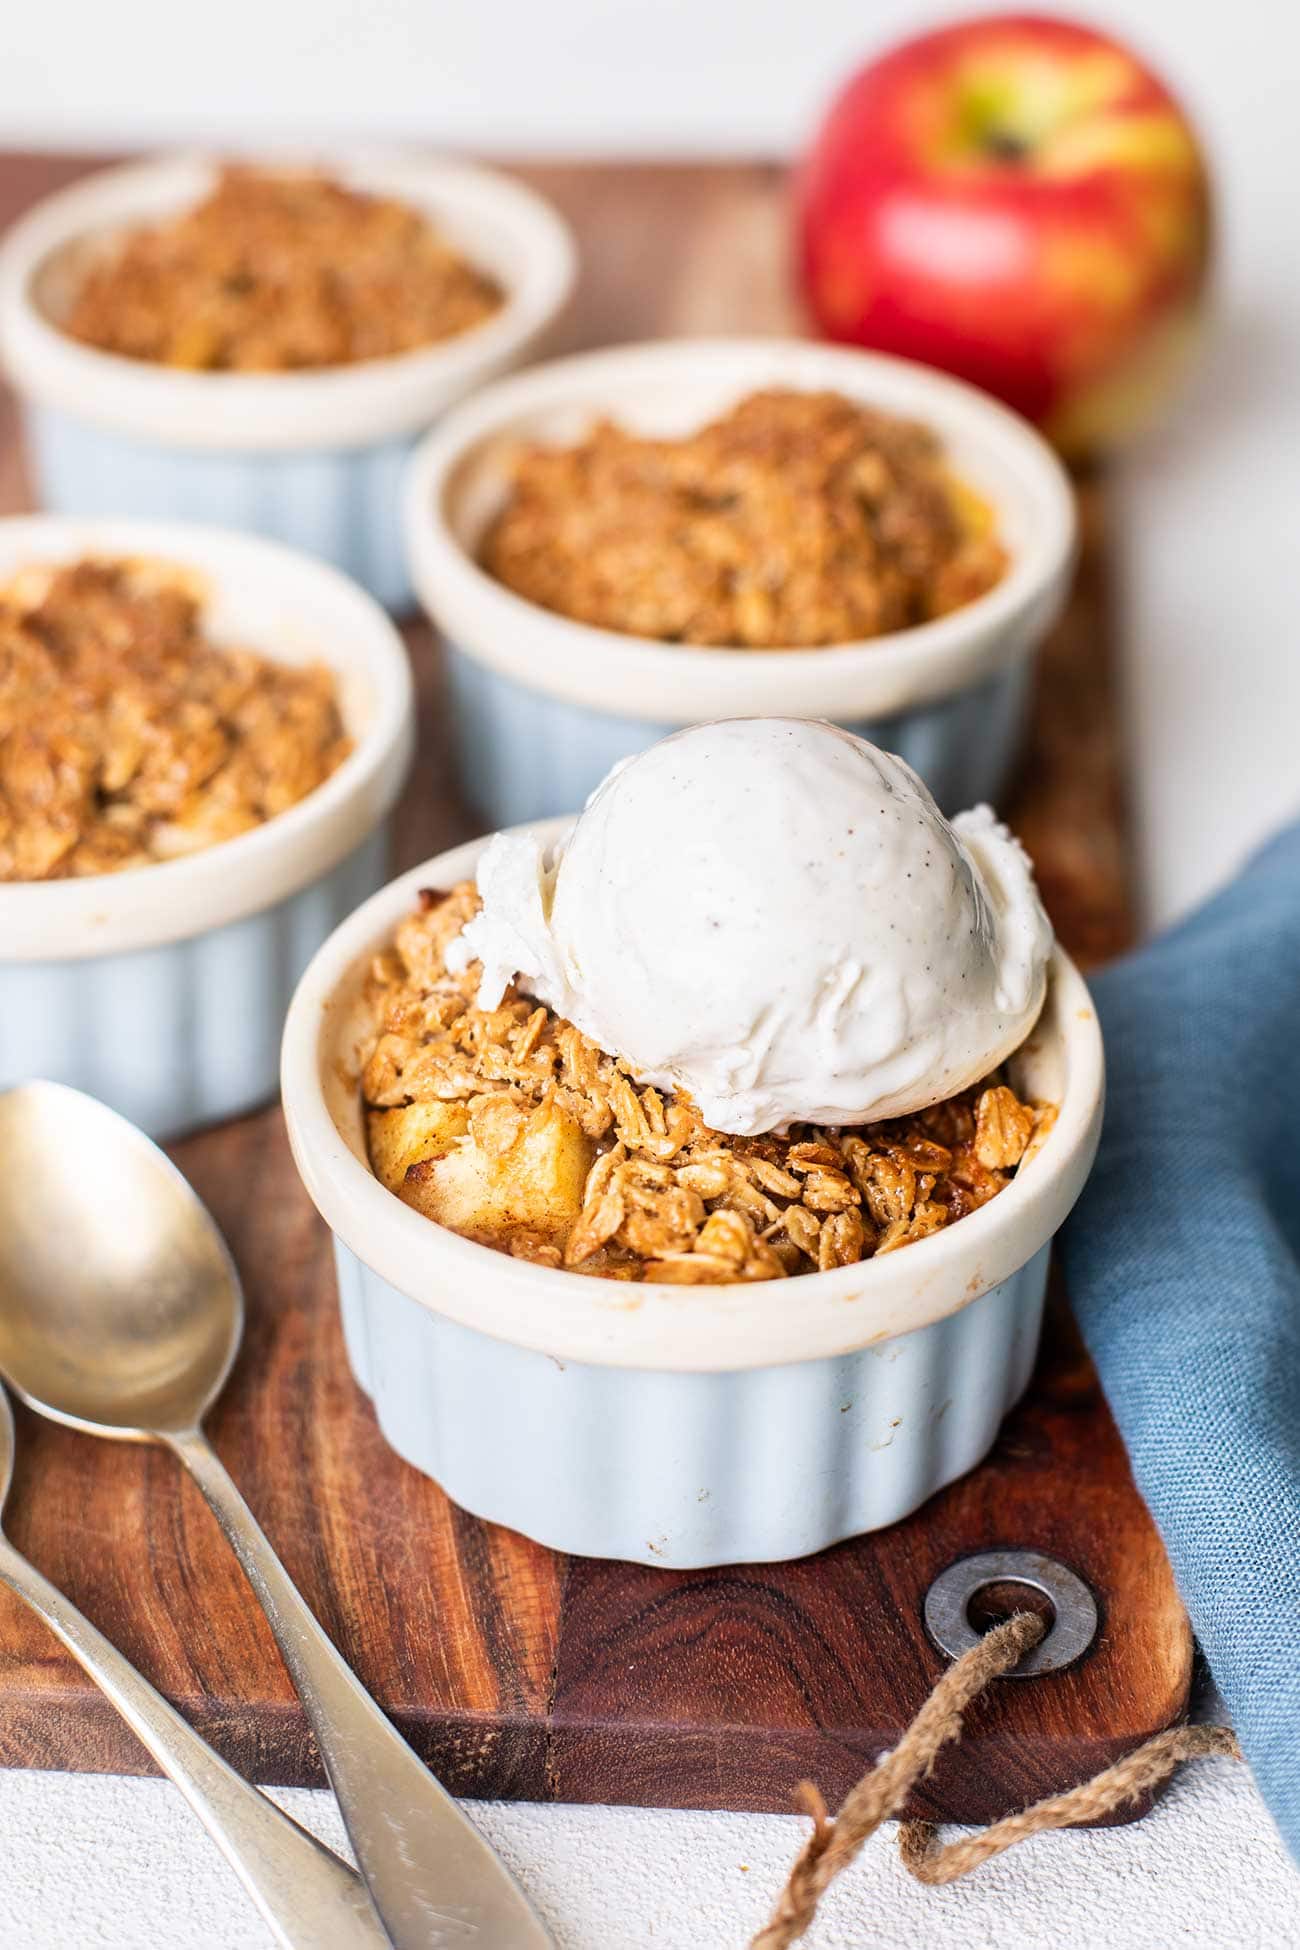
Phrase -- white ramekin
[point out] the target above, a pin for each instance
(314, 459)
(545, 706)
(678, 1425)
(162, 989)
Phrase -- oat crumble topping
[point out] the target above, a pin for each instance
(509, 1125)
(126, 737)
(796, 520)
(276, 272)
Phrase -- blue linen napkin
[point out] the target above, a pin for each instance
(1183, 1263)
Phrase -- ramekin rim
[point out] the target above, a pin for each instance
(517, 638)
(132, 907)
(336, 406)
(651, 1325)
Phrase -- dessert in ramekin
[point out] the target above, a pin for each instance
(194, 842)
(312, 456)
(279, 270)
(632, 1414)
(546, 704)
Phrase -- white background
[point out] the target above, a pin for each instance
(571, 77)
(1209, 534)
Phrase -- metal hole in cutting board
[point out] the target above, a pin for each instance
(974, 1593)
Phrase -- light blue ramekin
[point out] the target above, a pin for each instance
(342, 505)
(523, 755)
(544, 706)
(184, 1033)
(162, 989)
(312, 459)
(639, 1424)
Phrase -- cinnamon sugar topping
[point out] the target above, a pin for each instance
(275, 272)
(795, 520)
(126, 737)
(510, 1125)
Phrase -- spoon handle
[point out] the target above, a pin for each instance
(433, 1878)
(307, 1895)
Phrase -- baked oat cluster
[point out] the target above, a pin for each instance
(277, 272)
(796, 520)
(126, 737)
(510, 1126)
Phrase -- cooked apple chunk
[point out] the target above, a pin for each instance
(485, 1169)
(401, 1138)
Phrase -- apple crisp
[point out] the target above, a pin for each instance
(126, 737)
(508, 1125)
(274, 272)
(795, 521)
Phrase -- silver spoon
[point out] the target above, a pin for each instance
(121, 1314)
(306, 1894)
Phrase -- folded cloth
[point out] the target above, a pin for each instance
(1183, 1263)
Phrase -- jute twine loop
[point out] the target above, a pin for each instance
(1127, 1780)
(883, 1790)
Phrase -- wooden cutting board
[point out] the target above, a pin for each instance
(515, 1671)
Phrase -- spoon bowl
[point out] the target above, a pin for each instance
(7, 1444)
(120, 1308)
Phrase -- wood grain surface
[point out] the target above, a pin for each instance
(517, 1672)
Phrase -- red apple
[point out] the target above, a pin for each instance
(1021, 201)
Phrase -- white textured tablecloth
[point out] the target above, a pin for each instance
(120, 1865)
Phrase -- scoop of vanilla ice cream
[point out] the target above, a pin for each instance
(774, 917)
